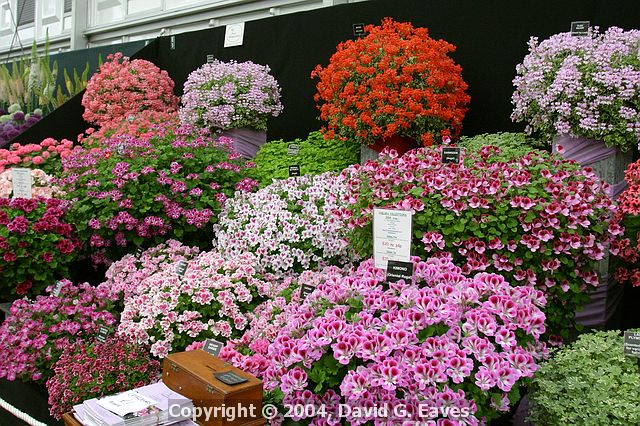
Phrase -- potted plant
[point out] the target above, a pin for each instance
(582, 92)
(233, 98)
(394, 83)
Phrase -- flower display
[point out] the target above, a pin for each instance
(439, 342)
(132, 192)
(537, 220)
(45, 155)
(41, 185)
(125, 276)
(289, 225)
(37, 332)
(581, 86)
(90, 369)
(396, 80)
(627, 248)
(229, 95)
(122, 87)
(212, 298)
(37, 244)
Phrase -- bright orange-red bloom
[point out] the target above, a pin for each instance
(394, 81)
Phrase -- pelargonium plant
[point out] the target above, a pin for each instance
(627, 248)
(443, 346)
(41, 185)
(538, 220)
(211, 299)
(138, 192)
(37, 244)
(125, 276)
(585, 86)
(37, 332)
(122, 87)
(250, 351)
(290, 225)
(45, 156)
(396, 80)
(229, 95)
(91, 369)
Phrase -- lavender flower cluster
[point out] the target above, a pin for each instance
(226, 95)
(582, 86)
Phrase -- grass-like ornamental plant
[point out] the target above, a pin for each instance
(536, 220)
(140, 191)
(396, 80)
(315, 155)
(585, 86)
(91, 369)
(590, 382)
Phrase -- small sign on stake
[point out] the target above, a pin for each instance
(212, 347)
(451, 154)
(210, 58)
(294, 171)
(358, 29)
(57, 288)
(580, 28)
(230, 378)
(181, 267)
(293, 149)
(306, 290)
(103, 333)
(397, 271)
(632, 343)
(139, 252)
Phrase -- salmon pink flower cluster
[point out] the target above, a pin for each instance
(37, 332)
(91, 369)
(538, 220)
(289, 225)
(212, 298)
(45, 156)
(443, 339)
(138, 192)
(122, 87)
(627, 248)
(396, 80)
(229, 95)
(37, 244)
(41, 185)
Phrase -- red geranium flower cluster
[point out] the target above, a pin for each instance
(395, 81)
(627, 249)
(122, 87)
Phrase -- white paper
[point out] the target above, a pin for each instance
(126, 402)
(391, 236)
(234, 35)
(22, 183)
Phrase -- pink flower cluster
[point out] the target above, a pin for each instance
(90, 369)
(37, 244)
(538, 220)
(441, 340)
(125, 276)
(290, 225)
(211, 299)
(45, 155)
(627, 248)
(122, 87)
(41, 185)
(36, 333)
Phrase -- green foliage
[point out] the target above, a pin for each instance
(590, 382)
(315, 155)
(512, 145)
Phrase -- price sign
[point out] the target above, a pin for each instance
(22, 183)
(391, 236)
(212, 347)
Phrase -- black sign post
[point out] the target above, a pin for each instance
(451, 154)
(230, 378)
(294, 171)
(181, 267)
(358, 29)
(306, 290)
(293, 149)
(103, 333)
(580, 28)
(632, 343)
(212, 347)
(397, 271)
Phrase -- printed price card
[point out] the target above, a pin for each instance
(391, 236)
(22, 183)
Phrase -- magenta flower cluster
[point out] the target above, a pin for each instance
(37, 332)
(133, 192)
(582, 86)
(227, 95)
(290, 225)
(211, 299)
(537, 220)
(441, 340)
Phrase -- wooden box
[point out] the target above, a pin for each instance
(191, 374)
(70, 420)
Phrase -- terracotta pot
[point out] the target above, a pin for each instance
(401, 144)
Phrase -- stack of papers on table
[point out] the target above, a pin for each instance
(152, 405)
